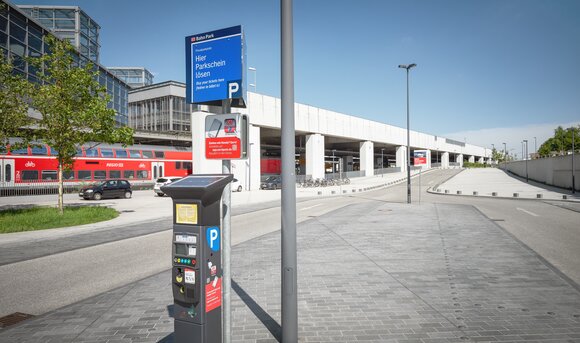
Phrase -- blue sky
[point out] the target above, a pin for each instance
(482, 65)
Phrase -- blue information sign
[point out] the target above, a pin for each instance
(215, 66)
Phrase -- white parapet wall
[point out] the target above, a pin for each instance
(555, 171)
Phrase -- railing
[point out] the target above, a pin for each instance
(44, 187)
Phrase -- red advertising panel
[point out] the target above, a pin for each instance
(223, 148)
(419, 157)
(213, 294)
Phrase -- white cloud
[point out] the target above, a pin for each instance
(512, 136)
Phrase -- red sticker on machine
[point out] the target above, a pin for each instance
(213, 294)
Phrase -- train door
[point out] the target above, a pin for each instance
(157, 170)
(7, 172)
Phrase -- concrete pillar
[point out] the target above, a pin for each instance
(459, 159)
(480, 160)
(471, 159)
(367, 151)
(254, 159)
(445, 160)
(428, 165)
(315, 155)
(401, 157)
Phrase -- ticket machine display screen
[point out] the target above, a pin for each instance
(180, 249)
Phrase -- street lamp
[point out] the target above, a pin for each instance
(535, 146)
(382, 161)
(526, 158)
(573, 151)
(407, 67)
(504, 157)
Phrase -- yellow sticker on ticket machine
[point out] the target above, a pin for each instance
(186, 213)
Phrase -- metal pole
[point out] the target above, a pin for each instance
(535, 146)
(504, 157)
(408, 146)
(573, 151)
(289, 272)
(226, 237)
(526, 158)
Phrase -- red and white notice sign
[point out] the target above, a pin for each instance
(223, 148)
(213, 294)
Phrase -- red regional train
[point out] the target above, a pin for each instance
(140, 164)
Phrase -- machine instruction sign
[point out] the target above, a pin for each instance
(215, 66)
(226, 136)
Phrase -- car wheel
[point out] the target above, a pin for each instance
(239, 188)
(97, 196)
(127, 195)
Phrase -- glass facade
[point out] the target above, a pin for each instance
(163, 114)
(22, 36)
(70, 23)
(134, 77)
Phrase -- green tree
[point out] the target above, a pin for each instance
(73, 107)
(497, 155)
(14, 96)
(561, 142)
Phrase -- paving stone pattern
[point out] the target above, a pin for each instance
(372, 272)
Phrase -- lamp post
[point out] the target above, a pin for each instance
(382, 161)
(504, 157)
(526, 158)
(407, 67)
(535, 146)
(573, 151)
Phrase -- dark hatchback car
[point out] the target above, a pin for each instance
(272, 182)
(107, 189)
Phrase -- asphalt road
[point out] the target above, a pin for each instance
(42, 284)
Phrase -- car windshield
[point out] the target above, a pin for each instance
(271, 178)
(161, 180)
(100, 184)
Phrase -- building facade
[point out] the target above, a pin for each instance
(160, 107)
(70, 23)
(135, 77)
(23, 36)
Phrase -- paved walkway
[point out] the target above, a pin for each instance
(370, 272)
(486, 181)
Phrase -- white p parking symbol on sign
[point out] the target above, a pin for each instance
(233, 88)
(213, 238)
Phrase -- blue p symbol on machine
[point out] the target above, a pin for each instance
(212, 235)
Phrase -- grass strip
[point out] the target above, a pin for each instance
(41, 218)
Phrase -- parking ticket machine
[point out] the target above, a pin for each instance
(196, 275)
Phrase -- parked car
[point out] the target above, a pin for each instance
(272, 182)
(162, 181)
(236, 185)
(107, 189)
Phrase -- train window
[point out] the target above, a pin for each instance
(49, 175)
(187, 165)
(39, 150)
(128, 174)
(134, 154)
(8, 173)
(84, 174)
(68, 175)
(100, 174)
(29, 175)
(91, 152)
(121, 153)
(114, 174)
(142, 174)
(159, 154)
(147, 154)
(23, 151)
(106, 152)
(178, 165)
